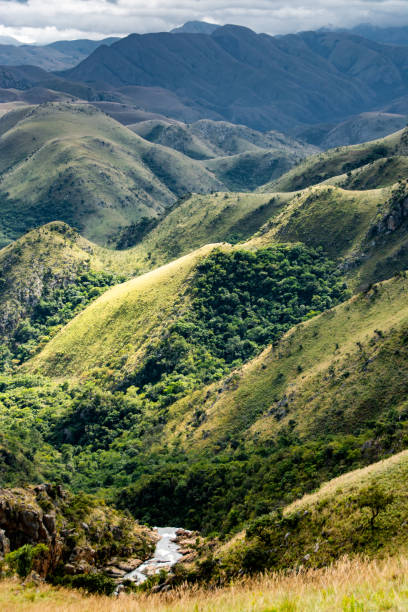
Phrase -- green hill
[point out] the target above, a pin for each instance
(328, 398)
(195, 221)
(121, 323)
(242, 158)
(380, 173)
(47, 276)
(358, 513)
(365, 231)
(342, 160)
(206, 139)
(247, 171)
(237, 372)
(75, 164)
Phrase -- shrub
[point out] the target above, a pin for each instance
(22, 559)
(92, 583)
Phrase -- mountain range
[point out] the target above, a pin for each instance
(254, 79)
(304, 84)
(71, 162)
(204, 323)
(54, 56)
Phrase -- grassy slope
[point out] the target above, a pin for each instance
(240, 157)
(120, 323)
(380, 173)
(207, 139)
(348, 586)
(57, 253)
(174, 135)
(335, 162)
(194, 222)
(334, 521)
(73, 163)
(249, 170)
(244, 403)
(325, 216)
(343, 222)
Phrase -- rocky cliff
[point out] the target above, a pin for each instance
(81, 535)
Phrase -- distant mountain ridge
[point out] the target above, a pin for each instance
(58, 55)
(258, 80)
(391, 35)
(9, 40)
(196, 27)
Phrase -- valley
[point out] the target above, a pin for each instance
(204, 323)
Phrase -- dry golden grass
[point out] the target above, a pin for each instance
(348, 586)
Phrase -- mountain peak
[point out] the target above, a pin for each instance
(196, 27)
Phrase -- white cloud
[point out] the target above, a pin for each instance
(47, 20)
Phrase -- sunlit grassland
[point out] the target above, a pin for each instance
(348, 586)
(380, 173)
(196, 221)
(120, 323)
(326, 216)
(335, 162)
(241, 402)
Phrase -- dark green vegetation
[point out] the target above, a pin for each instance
(55, 307)
(270, 449)
(36, 301)
(218, 388)
(22, 559)
(360, 512)
(64, 538)
(240, 302)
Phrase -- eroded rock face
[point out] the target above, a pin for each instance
(22, 521)
(4, 544)
(393, 219)
(43, 514)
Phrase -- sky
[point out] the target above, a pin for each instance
(44, 21)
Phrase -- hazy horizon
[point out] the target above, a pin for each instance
(42, 22)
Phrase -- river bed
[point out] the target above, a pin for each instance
(165, 556)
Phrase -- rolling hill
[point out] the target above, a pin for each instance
(320, 400)
(342, 160)
(299, 414)
(240, 350)
(206, 139)
(333, 521)
(75, 164)
(355, 130)
(71, 162)
(195, 221)
(241, 158)
(267, 408)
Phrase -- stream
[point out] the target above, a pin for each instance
(165, 556)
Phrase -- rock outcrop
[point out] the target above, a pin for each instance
(81, 535)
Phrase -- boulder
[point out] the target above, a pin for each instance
(4, 544)
(129, 565)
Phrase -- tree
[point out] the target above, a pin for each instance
(375, 499)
